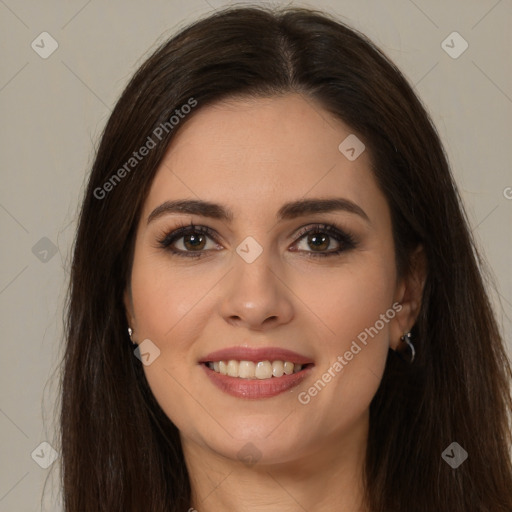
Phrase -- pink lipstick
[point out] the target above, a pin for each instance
(255, 373)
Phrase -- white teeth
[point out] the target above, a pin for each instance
(278, 368)
(250, 370)
(263, 370)
(233, 367)
(288, 368)
(246, 369)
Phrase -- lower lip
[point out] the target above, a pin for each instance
(255, 388)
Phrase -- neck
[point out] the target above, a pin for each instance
(324, 477)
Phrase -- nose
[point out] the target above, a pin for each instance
(255, 297)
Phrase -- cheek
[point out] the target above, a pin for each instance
(351, 298)
(170, 307)
(355, 306)
(164, 299)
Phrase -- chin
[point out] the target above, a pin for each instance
(269, 441)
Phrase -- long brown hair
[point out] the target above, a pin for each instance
(120, 452)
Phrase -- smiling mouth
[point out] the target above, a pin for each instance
(261, 370)
(256, 380)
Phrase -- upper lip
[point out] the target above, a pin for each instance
(256, 355)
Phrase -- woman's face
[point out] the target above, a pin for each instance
(258, 174)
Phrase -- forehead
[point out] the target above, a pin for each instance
(255, 154)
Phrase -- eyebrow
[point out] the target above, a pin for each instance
(288, 211)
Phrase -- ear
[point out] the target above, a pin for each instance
(408, 294)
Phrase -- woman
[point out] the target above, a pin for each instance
(272, 220)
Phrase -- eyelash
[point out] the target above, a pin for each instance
(346, 240)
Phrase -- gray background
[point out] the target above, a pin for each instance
(52, 113)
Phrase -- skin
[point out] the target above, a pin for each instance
(254, 155)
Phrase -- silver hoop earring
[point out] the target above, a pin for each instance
(406, 338)
(130, 332)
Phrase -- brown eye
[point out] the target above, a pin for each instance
(318, 241)
(194, 242)
(189, 241)
(325, 240)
